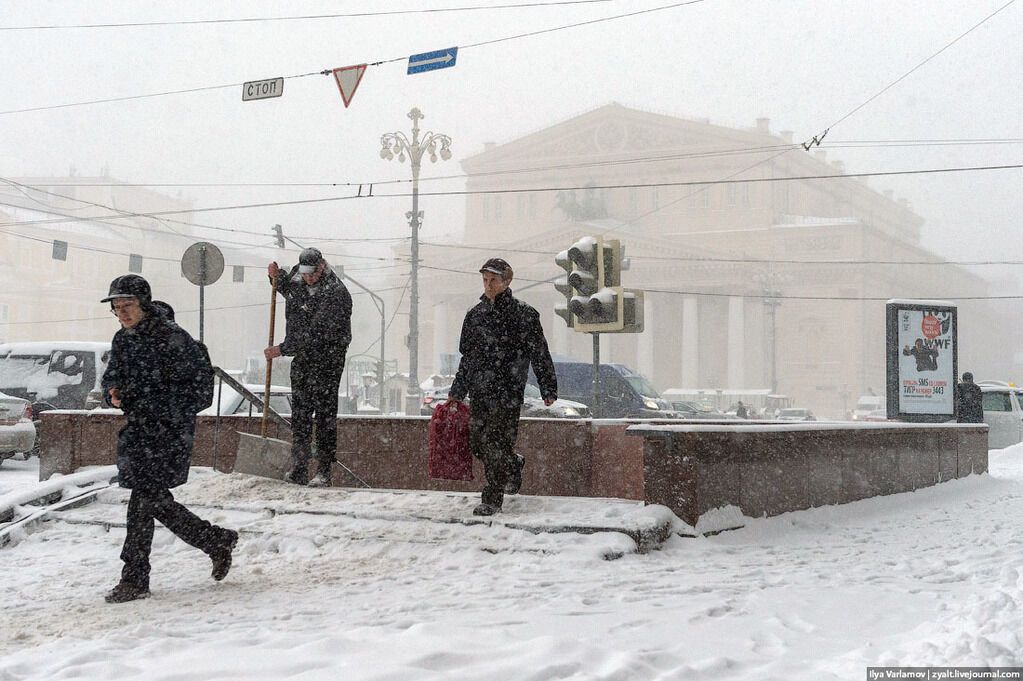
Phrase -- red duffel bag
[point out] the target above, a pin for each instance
(450, 458)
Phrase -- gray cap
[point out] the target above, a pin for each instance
(308, 260)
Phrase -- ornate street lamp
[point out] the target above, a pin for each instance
(397, 144)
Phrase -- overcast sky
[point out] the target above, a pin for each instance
(805, 64)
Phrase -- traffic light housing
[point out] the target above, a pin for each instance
(595, 299)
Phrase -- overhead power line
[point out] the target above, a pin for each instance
(748, 261)
(305, 17)
(526, 190)
(329, 71)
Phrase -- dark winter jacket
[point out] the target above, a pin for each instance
(971, 403)
(156, 367)
(500, 339)
(319, 318)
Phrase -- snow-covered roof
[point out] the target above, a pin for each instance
(47, 347)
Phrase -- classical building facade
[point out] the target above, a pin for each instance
(764, 266)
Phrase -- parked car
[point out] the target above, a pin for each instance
(233, 402)
(532, 405)
(692, 410)
(875, 415)
(796, 414)
(54, 374)
(623, 392)
(17, 432)
(1002, 413)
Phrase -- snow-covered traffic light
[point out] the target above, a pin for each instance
(596, 301)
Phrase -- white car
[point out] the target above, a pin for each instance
(17, 432)
(232, 402)
(1002, 414)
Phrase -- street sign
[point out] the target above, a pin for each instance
(262, 89)
(202, 264)
(431, 61)
(348, 79)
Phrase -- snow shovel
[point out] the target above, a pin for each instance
(264, 456)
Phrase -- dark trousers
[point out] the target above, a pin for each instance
(492, 433)
(314, 401)
(147, 505)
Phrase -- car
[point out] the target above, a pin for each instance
(17, 432)
(865, 405)
(532, 404)
(54, 374)
(796, 414)
(874, 415)
(692, 410)
(624, 393)
(232, 402)
(1002, 413)
(431, 398)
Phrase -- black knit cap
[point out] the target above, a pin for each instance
(130, 286)
(496, 266)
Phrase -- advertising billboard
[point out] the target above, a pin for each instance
(922, 360)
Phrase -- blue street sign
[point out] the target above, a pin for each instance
(431, 61)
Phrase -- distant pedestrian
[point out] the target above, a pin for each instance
(501, 338)
(741, 411)
(319, 330)
(160, 377)
(969, 400)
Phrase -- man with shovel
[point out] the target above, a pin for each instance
(319, 328)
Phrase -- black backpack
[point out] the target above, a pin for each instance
(204, 379)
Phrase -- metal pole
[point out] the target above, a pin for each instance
(202, 289)
(597, 409)
(412, 396)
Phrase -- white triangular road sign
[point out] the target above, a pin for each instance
(348, 79)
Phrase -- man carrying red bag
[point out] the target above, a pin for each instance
(501, 338)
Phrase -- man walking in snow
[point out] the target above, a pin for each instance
(501, 337)
(319, 329)
(160, 377)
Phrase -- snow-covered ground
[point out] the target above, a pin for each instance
(925, 578)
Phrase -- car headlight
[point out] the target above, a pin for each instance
(571, 411)
(650, 404)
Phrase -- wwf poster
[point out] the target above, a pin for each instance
(922, 360)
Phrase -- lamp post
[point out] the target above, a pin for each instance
(398, 144)
(771, 296)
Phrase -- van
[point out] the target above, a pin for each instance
(624, 393)
(1002, 413)
(54, 374)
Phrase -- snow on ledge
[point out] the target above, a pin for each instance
(791, 427)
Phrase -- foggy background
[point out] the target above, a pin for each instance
(808, 66)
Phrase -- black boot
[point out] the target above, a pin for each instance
(515, 477)
(221, 556)
(126, 591)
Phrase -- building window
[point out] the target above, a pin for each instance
(486, 208)
(5, 314)
(497, 209)
(532, 206)
(655, 199)
(733, 195)
(59, 250)
(135, 263)
(239, 272)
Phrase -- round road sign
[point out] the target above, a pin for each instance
(202, 264)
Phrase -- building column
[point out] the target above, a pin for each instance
(440, 335)
(736, 342)
(690, 342)
(645, 344)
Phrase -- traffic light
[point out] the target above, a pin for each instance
(596, 301)
(562, 286)
(597, 304)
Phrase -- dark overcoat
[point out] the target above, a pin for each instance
(319, 319)
(155, 366)
(499, 341)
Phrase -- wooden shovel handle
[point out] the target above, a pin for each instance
(269, 362)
